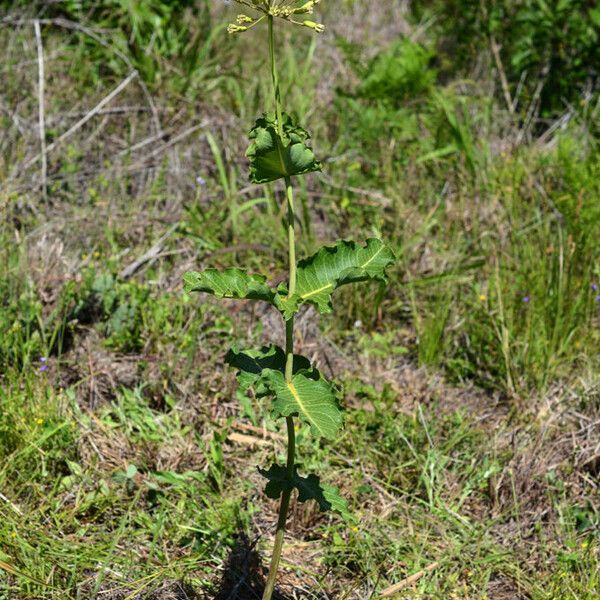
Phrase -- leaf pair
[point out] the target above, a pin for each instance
(273, 156)
(317, 277)
(308, 395)
(309, 488)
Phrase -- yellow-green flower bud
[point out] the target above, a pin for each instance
(305, 8)
(241, 19)
(235, 28)
(316, 26)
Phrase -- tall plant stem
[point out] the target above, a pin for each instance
(289, 338)
(275, 77)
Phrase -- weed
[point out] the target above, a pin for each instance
(279, 150)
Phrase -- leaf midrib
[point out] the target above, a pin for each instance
(296, 396)
(330, 285)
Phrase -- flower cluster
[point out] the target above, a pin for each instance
(281, 9)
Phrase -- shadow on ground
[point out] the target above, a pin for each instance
(244, 574)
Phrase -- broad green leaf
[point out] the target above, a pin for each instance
(273, 157)
(313, 400)
(309, 488)
(252, 364)
(332, 267)
(230, 283)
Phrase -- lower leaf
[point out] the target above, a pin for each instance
(309, 488)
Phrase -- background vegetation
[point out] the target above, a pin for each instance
(464, 133)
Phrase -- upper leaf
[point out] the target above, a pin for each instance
(230, 283)
(252, 364)
(273, 157)
(331, 267)
(313, 400)
(309, 488)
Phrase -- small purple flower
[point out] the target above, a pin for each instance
(594, 287)
(43, 359)
(200, 181)
(44, 368)
(598, 297)
(526, 299)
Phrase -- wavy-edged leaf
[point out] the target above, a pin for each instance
(332, 267)
(273, 157)
(230, 283)
(252, 363)
(309, 488)
(313, 400)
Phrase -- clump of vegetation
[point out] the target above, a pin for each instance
(549, 50)
(280, 150)
(133, 34)
(471, 392)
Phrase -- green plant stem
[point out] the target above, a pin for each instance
(289, 325)
(282, 518)
(289, 371)
(289, 338)
(275, 78)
